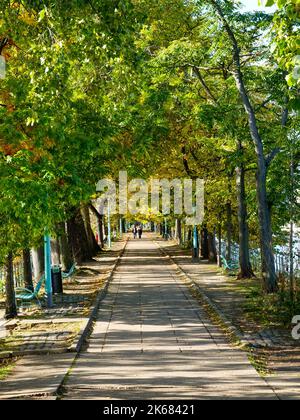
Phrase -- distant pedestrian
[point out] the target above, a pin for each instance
(134, 232)
(140, 231)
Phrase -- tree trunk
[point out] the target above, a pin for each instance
(268, 261)
(38, 261)
(179, 231)
(10, 306)
(204, 244)
(292, 227)
(100, 224)
(212, 250)
(64, 246)
(291, 256)
(27, 270)
(92, 243)
(245, 264)
(220, 244)
(101, 231)
(78, 238)
(229, 230)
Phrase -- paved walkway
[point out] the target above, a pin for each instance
(153, 341)
(36, 377)
(275, 344)
(230, 297)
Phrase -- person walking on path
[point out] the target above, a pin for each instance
(135, 232)
(140, 231)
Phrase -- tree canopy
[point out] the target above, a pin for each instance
(176, 88)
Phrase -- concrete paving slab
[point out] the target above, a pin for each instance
(36, 375)
(153, 341)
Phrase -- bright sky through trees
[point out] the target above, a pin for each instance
(250, 5)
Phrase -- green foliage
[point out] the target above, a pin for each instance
(287, 41)
(95, 86)
(59, 121)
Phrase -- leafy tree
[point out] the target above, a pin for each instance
(287, 45)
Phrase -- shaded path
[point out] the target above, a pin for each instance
(153, 341)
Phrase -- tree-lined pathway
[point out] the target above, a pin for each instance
(153, 340)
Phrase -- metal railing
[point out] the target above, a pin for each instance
(18, 275)
(281, 254)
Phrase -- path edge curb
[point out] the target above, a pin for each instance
(232, 329)
(85, 331)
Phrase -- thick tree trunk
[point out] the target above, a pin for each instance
(27, 270)
(204, 244)
(64, 246)
(100, 225)
(229, 230)
(93, 245)
(38, 261)
(245, 264)
(78, 238)
(213, 258)
(268, 262)
(179, 231)
(87, 225)
(161, 229)
(10, 306)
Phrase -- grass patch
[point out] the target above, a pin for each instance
(259, 361)
(275, 310)
(6, 368)
(264, 310)
(22, 332)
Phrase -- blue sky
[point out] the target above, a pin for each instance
(253, 5)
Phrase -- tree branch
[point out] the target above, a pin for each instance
(185, 161)
(3, 44)
(239, 78)
(285, 113)
(203, 83)
(271, 156)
